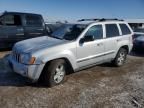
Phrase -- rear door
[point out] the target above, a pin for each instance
(111, 40)
(34, 26)
(13, 28)
(126, 35)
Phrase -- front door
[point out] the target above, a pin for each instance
(13, 28)
(91, 52)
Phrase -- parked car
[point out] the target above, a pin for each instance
(138, 41)
(71, 48)
(16, 26)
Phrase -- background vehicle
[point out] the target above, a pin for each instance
(71, 48)
(138, 41)
(16, 26)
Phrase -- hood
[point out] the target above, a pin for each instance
(35, 44)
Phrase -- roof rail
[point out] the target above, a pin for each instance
(102, 19)
(88, 20)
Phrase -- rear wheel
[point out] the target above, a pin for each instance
(54, 73)
(121, 57)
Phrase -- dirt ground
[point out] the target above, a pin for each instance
(102, 86)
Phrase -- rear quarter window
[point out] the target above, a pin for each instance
(125, 30)
(112, 30)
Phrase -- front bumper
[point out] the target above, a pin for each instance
(30, 71)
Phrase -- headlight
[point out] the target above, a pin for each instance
(27, 59)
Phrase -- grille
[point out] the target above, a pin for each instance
(16, 56)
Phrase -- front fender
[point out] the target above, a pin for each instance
(71, 57)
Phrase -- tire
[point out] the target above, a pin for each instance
(54, 73)
(120, 57)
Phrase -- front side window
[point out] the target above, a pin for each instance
(33, 20)
(125, 30)
(11, 20)
(69, 31)
(112, 30)
(96, 31)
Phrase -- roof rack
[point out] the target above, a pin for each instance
(102, 19)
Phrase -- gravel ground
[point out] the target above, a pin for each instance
(102, 86)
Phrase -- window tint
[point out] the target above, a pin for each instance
(69, 31)
(112, 30)
(96, 31)
(11, 20)
(33, 20)
(125, 30)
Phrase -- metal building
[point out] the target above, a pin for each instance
(136, 23)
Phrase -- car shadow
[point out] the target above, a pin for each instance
(10, 78)
(5, 49)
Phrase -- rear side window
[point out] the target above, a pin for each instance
(96, 31)
(33, 20)
(125, 30)
(112, 30)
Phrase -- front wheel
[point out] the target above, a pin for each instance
(120, 58)
(54, 73)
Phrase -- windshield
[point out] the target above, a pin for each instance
(69, 31)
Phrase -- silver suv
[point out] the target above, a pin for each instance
(71, 48)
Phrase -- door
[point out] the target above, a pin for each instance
(34, 26)
(13, 28)
(3, 36)
(91, 52)
(111, 40)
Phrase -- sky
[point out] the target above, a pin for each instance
(77, 9)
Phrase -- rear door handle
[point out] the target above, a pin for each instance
(119, 40)
(99, 44)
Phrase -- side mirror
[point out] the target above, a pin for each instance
(87, 38)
